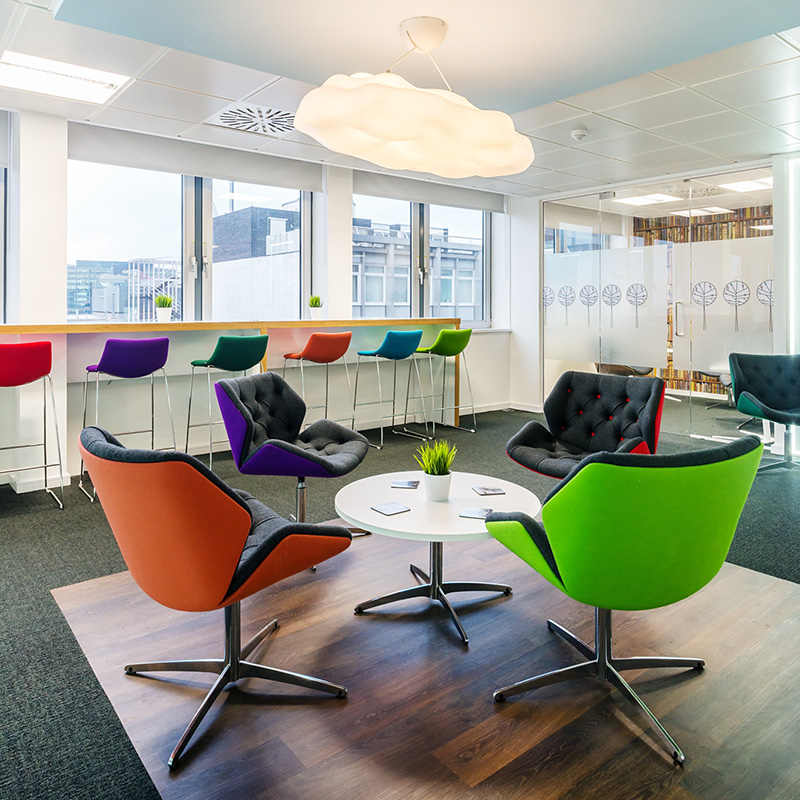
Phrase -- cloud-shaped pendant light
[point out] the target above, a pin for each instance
(390, 122)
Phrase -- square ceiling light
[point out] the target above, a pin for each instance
(647, 199)
(748, 186)
(58, 79)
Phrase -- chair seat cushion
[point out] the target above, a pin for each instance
(748, 403)
(201, 362)
(267, 531)
(337, 448)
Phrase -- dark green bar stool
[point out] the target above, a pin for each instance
(232, 354)
(449, 343)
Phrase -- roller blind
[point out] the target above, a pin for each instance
(426, 192)
(3, 139)
(130, 149)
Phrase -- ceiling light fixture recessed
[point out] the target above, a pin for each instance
(394, 124)
(647, 199)
(695, 212)
(748, 186)
(57, 78)
(719, 210)
(763, 227)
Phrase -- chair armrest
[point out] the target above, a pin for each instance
(635, 445)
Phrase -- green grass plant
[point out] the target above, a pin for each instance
(436, 458)
(163, 301)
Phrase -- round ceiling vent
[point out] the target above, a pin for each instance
(256, 119)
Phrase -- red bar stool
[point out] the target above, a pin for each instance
(322, 348)
(25, 363)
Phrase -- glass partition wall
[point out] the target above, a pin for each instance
(664, 279)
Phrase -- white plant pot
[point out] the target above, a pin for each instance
(163, 315)
(437, 487)
(315, 312)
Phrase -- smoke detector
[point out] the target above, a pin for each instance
(579, 134)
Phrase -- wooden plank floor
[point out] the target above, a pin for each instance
(419, 721)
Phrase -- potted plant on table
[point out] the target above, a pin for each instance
(163, 308)
(436, 459)
(315, 306)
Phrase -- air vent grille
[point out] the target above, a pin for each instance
(255, 119)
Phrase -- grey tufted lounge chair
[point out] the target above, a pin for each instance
(588, 413)
(264, 416)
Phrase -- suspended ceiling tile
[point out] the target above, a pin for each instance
(227, 137)
(610, 170)
(7, 11)
(566, 158)
(776, 112)
(57, 106)
(41, 35)
(307, 152)
(757, 85)
(628, 91)
(144, 123)
(534, 191)
(164, 101)
(793, 129)
(561, 180)
(664, 159)
(757, 53)
(793, 36)
(623, 146)
(540, 146)
(206, 76)
(709, 162)
(530, 177)
(671, 107)
(284, 94)
(757, 143)
(726, 123)
(302, 138)
(544, 115)
(597, 128)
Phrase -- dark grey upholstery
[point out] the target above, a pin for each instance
(767, 386)
(267, 530)
(589, 413)
(273, 413)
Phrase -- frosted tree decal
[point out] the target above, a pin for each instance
(548, 296)
(736, 293)
(612, 295)
(636, 296)
(766, 297)
(566, 296)
(704, 294)
(588, 296)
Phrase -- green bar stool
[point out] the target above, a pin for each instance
(449, 343)
(232, 354)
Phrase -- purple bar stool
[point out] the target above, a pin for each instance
(129, 358)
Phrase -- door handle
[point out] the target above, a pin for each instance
(678, 332)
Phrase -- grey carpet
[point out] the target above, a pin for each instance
(59, 736)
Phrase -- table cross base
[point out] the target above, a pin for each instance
(434, 588)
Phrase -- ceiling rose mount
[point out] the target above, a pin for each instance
(390, 122)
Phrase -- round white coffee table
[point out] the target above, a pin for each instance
(436, 523)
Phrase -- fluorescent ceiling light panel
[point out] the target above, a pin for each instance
(748, 186)
(718, 210)
(695, 212)
(646, 200)
(763, 227)
(58, 79)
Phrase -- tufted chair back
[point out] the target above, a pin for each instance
(596, 413)
(269, 409)
(774, 380)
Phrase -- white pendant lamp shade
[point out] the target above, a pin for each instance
(387, 120)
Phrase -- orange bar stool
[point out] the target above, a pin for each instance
(21, 364)
(322, 348)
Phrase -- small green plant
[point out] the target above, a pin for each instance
(315, 301)
(436, 458)
(163, 301)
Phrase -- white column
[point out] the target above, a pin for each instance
(37, 219)
(333, 243)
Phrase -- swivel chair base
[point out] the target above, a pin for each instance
(603, 666)
(231, 668)
(786, 462)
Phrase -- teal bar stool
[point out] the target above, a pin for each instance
(448, 344)
(232, 354)
(396, 346)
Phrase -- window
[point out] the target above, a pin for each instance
(123, 242)
(256, 252)
(385, 259)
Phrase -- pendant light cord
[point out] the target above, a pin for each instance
(413, 49)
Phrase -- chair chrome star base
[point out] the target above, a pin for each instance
(605, 667)
(434, 588)
(787, 462)
(231, 668)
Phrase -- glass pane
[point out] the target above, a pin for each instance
(456, 243)
(123, 242)
(382, 247)
(256, 253)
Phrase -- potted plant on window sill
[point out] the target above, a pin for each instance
(315, 306)
(436, 459)
(163, 308)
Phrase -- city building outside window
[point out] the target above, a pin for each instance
(123, 242)
(256, 254)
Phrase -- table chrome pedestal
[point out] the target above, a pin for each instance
(433, 587)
